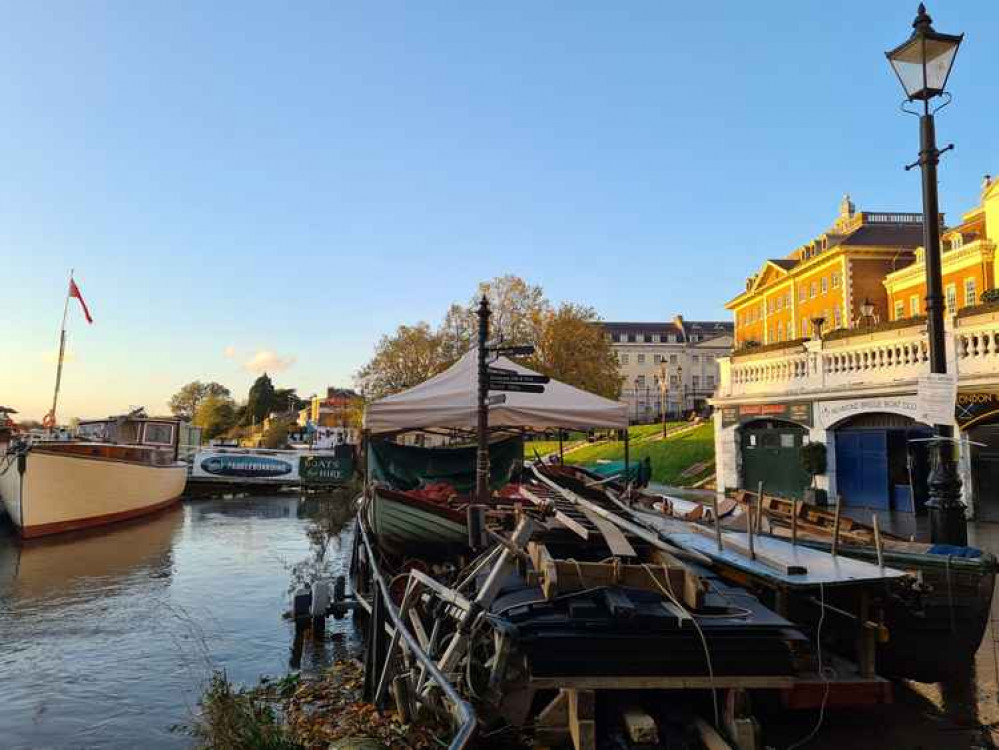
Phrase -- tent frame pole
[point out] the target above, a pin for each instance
(482, 462)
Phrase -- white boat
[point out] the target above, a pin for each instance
(119, 468)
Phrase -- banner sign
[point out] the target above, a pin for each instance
(974, 407)
(799, 411)
(830, 412)
(513, 377)
(318, 469)
(506, 385)
(234, 466)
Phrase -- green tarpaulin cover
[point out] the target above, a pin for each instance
(406, 467)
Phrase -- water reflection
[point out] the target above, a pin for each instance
(106, 638)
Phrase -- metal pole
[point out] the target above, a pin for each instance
(482, 463)
(62, 352)
(946, 511)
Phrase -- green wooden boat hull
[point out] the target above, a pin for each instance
(403, 523)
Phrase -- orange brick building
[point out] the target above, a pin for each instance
(828, 277)
(967, 263)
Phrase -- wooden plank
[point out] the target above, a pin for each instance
(574, 526)
(735, 545)
(615, 538)
(582, 718)
(563, 576)
(710, 737)
(661, 682)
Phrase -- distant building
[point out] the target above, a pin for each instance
(333, 409)
(828, 277)
(680, 355)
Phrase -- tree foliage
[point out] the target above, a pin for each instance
(184, 403)
(261, 401)
(404, 359)
(570, 344)
(216, 415)
(276, 434)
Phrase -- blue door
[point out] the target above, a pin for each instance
(862, 468)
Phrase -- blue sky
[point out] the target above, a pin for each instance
(236, 180)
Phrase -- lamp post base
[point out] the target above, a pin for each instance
(946, 511)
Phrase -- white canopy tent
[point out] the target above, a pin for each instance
(448, 400)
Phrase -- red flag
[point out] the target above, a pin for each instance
(74, 291)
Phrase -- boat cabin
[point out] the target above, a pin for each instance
(168, 437)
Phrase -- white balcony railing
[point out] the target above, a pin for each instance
(897, 356)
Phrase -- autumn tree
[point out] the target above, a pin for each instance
(216, 415)
(184, 403)
(573, 348)
(569, 341)
(403, 359)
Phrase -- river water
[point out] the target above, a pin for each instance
(107, 638)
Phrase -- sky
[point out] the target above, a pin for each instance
(242, 186)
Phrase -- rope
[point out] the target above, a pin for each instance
(704, 641)
(825, 696)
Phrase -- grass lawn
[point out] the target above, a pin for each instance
(670, 457)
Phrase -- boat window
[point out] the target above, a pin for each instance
(787, 440)
(158, 433)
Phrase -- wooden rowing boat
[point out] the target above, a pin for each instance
(401, 520)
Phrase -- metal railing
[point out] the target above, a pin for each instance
(381, 603)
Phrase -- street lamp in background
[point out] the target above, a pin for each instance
(679, 377)
(663, 380)
(635, 391)
(867, 312)
(923, 63)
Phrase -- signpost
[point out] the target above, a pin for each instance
(496, 379)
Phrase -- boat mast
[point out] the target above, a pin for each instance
(62, 353)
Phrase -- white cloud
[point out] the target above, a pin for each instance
(266, 360)
(229, 352)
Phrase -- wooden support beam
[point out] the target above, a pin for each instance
(582, 718)
(735, 545)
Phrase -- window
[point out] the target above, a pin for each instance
(790, 330)
(655, 338)
(671, 338)
(956, 241)
(814, 290)
(899, 309)
(825, 284)
(657, 358)
(802, 293)
(157, 433)
(710, 381)
(970, 293)
(835, 280)
(624, 359)
(837, 317)
(695, 382)
(951, 298)
(780, 330)
(779, 302)
(695, 359)
(804, 327)
(787, 440)
(672, 359)
(914, 305)
(787, 300)
(623, 338)
(674, 380)
(641, 381)
(641, 359)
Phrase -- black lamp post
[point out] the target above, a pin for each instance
(663, 390)
(923, 63)
(683, 394)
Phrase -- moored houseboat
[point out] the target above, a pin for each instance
(117, 468)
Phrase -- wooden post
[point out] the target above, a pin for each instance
(839, 509)
(794, 522)
(749, 525)
(718, 531)
(759, 507)
(582, 718)
(877, 541)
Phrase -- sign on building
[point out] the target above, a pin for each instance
(799, 411)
